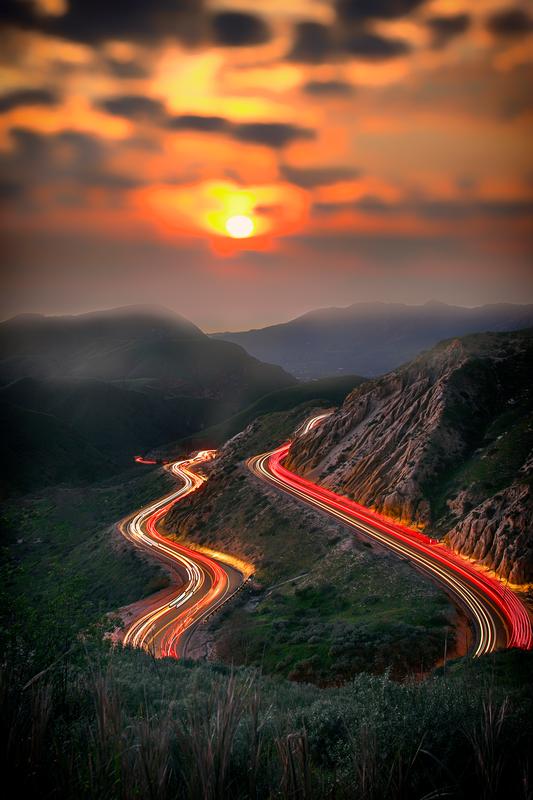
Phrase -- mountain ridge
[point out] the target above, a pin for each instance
(370, 338)
(441, 443)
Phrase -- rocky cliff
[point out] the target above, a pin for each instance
(443, 443)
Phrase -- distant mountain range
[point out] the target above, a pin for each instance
(370, 338)
(101, 387)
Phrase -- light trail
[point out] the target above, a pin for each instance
(497, 613)
(166, 629)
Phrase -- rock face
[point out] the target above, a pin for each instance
(441, 443)
(499, 533)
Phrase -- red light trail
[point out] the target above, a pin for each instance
(491, 605)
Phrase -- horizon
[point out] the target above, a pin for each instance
(149, 308)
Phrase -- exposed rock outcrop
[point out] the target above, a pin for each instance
(440, 443)
(499, 533)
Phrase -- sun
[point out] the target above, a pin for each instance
(240, 226)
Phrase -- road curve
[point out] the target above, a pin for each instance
(166, 628)
(499, 617)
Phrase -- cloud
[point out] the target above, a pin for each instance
(195, 122)
(446, 210)
(511, 23)
(134, 107)
(312, 43)
(96, 21)
(27, 97)
(318, 176)
(333, 87)
(372, 47)
(271, 134)
(315, 43)
(67, 157)
(141, 108)
(237, 29)
(356, 10)
(126, 69)
(446, 28)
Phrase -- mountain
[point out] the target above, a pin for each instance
(324, 392)
(370, 338)
(444, 443)
(138, 348)
(111, 384)
(117, 421)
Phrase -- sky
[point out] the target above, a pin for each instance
(372, 149)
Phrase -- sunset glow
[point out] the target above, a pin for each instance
(240, 227)
(390, 141)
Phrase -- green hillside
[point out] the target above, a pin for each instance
(326, 391)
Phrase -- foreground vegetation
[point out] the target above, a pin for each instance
(104, 724)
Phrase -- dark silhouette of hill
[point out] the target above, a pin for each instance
(139, 348)
(104, 386)
(39, 450)
(371, 338)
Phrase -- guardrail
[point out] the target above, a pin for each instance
(227, 600)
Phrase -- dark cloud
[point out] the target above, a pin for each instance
(319, 176)
(271, 134)
(97, 21)
(446, 28)
(126, 69)
(27, 97)
(315, 43)
(135, 107)
(195, 122)
(372, 47)
(511, 22)
(94, 21)
(64, 159)
(9, 191)
(449, 210)
(461, 209)
(312, 43)
(322, 88)
(237, 29)
(138, 107)
(355, 10)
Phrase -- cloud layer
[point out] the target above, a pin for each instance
(367, 138)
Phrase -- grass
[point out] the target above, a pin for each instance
(63, 556)
(493, 465)
(125, 726)
(355, 610)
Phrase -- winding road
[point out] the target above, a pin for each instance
(166, 628)
(499, 618)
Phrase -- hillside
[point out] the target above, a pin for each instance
(328, 391)
(444, 443)
(38, 450)
(138, 348)
(117, 421)
(110, 384)
(324, 605)
(370, 338)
